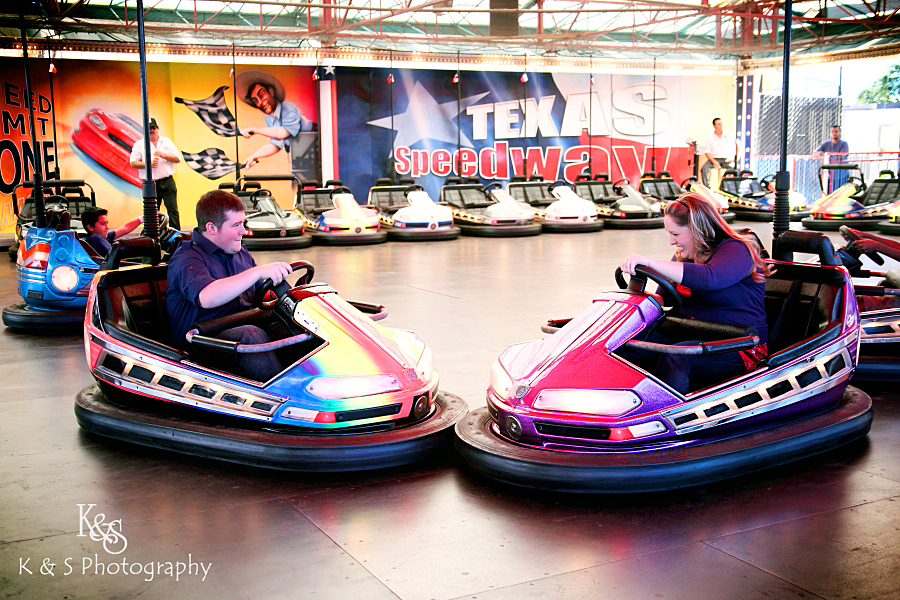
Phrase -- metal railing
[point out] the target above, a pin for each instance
(805, 169)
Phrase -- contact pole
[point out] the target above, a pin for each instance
(653, 151)
(148, 186)
(393, 136)
(458, 113)
(53, 112)
(40, 213)
(237, 129)
(782, 220)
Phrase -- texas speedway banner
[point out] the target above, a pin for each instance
(497, 125)
(98, 112)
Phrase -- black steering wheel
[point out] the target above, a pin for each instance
(284, 287)
(851, 236)
(617, 185)
(492, 186)
(340, 190)
(858, 182)
(689, 180)
(671, 297)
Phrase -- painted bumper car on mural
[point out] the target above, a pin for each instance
(754, 200)
(854, 204)
(569, 413)
(353, 396)
(556, 207)
(269, 227)
(619, 204)
(334, 217)
(108, 139)
(409, 214)
(477, 214)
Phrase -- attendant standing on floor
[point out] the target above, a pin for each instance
(165, 157)
(721, 150)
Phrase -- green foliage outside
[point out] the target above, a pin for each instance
(885, 89)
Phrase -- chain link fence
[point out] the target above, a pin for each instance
(809, 123)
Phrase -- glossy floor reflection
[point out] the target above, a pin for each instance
(822, 528)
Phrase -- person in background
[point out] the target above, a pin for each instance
(96, 223)
(832, 146)
(165, 157)
(721, 150)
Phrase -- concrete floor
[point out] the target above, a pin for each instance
(822, 528)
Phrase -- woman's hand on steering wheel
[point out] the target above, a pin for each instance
(631, 261)
(671, 297)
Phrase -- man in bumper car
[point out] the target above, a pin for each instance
(213, 275)
(721, 276)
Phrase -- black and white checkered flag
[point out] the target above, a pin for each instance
(213, 112)
(212, 163)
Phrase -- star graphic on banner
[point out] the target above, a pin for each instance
(329, 70)
(422, 119)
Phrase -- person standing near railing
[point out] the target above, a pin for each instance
(835, 145)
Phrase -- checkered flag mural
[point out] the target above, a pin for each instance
(213, 112)
(212, 163)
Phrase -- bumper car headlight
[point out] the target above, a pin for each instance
(336, 388)
(501, 382)
(64, 278)
(607, 403)
(425, 366)
(261, 225)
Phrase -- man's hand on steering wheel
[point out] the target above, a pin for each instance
(276, 271)
(281, 287)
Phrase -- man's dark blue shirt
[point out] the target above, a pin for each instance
(194, 266)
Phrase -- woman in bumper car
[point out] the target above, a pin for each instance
(721, 276)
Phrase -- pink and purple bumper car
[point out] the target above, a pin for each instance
(571, 413)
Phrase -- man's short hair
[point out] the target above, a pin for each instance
(835, 126)
(91, 215)
(716, 119)
(213, 205)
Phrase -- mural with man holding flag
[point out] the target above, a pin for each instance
(193, 103)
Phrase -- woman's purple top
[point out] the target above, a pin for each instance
(723, 290)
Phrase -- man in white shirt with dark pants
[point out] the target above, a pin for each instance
(720, 151)
(165, 157)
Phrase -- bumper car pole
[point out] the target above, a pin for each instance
(782, 220)
(40, 213)
(148, 186)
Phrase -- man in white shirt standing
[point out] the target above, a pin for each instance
(165, 157)
(721, 150)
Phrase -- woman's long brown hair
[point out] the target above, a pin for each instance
(708, 229)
